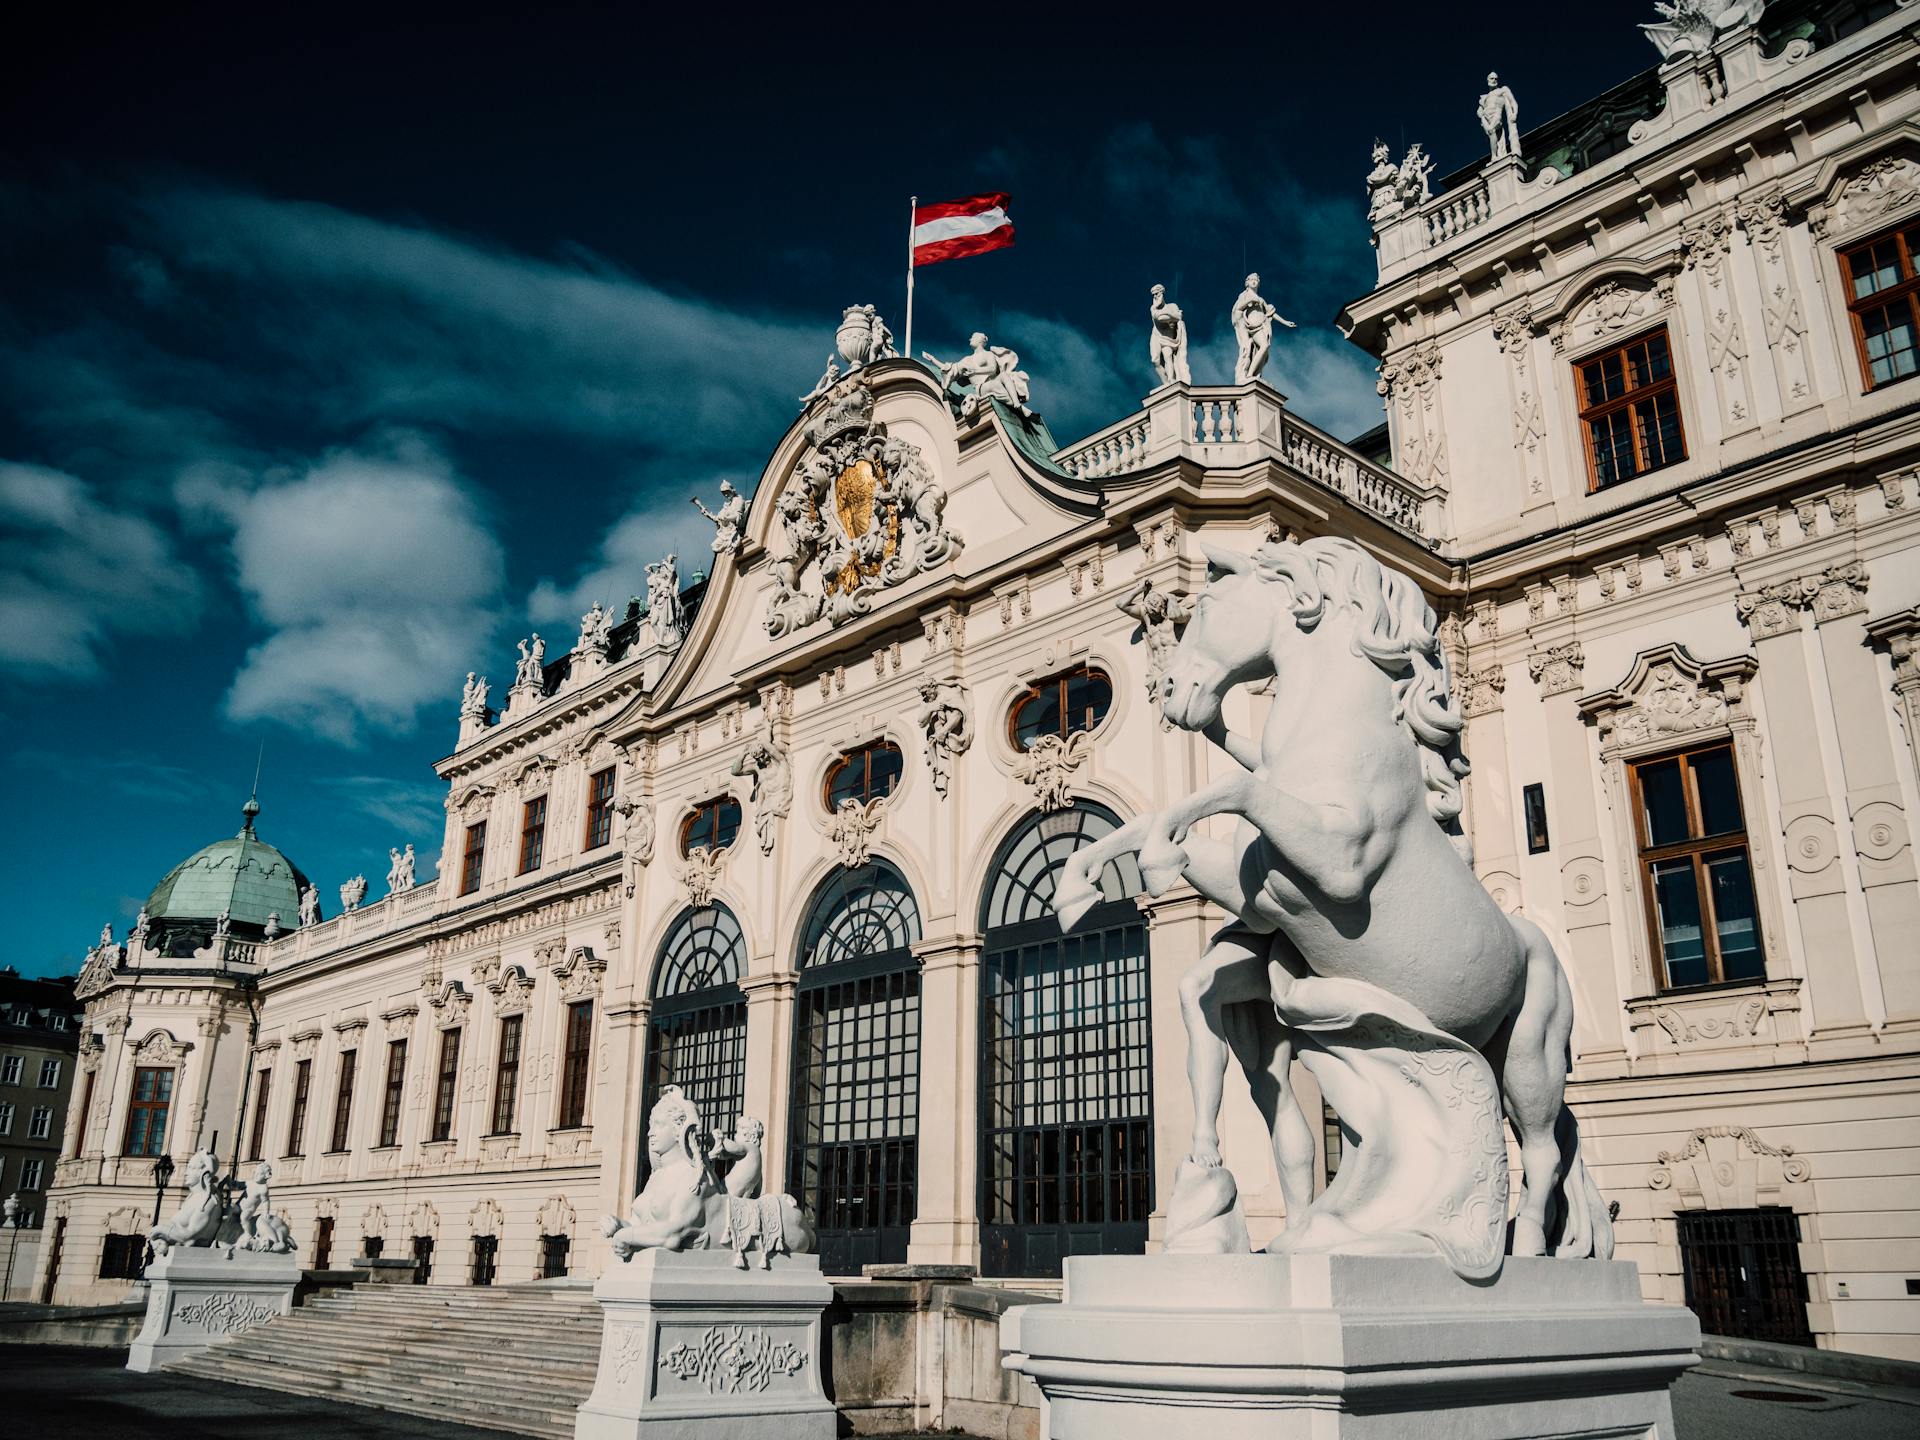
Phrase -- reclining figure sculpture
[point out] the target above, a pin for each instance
(683, 1206)
(1362, 940)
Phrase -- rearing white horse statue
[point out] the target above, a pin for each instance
(1363, 942)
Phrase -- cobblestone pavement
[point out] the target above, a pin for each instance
(64, 1393)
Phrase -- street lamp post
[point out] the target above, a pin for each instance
(162, 1175)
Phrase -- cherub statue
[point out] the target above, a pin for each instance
(260, 1228)
(729, 522)
(827, 382)
(683, 1207)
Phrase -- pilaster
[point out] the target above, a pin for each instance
(946, 1225)
(769, 1052)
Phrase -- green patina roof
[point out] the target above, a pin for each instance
(245, 877)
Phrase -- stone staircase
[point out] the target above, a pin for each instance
(518, 1358)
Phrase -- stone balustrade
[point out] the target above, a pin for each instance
(1226, 425)
(390, 912)
(1456, 212)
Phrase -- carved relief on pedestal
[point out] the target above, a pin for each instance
(732, 1360)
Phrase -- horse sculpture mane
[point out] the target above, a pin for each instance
(1394, 628)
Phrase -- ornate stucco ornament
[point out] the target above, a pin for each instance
(946, 720)
(1049, 765)
(850, 830)
(862, 512)
(701, 874)
(765, 760)
(1689, 27)
(353, 892)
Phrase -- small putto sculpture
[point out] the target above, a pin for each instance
(1167, 345)
(197, 1222)
(984, 374)
(1499, 116)
(729, 521)
(1253, 319)
(685, 1207)
(260, 1229)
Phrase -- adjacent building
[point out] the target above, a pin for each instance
(39, 1035)
(788, 839)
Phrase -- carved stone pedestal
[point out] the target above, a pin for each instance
(693, 1347)
(197, 1295)
(1340, 1347)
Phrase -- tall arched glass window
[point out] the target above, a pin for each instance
(1066, 1074)
(854, 1117)
(697, 1026)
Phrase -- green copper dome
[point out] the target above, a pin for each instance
(245, 878)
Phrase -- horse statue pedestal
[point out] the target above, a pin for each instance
(692, 1346)
(199, 1295)
(1331, 1346)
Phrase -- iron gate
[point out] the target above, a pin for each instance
(1743, 1275)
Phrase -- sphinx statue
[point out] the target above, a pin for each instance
(684, 1205)
(197, 1222)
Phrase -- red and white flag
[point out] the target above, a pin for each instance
(955, 228)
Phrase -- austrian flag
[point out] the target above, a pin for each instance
(956, 228)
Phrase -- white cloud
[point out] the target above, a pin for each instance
(378, 575)
(618, 571)
(75, 574)
(412, 809)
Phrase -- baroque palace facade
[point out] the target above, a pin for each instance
(787, 838)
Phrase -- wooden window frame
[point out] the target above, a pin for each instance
(297, 1119)
(1626, 400)
(599, 828)
(446, 1085)
(862, 755)
(533, 834)
(692, 818)
(395, 1093)
(257, 1137)
(1907, 289)
(1036, 689)
(343, 1102)
(473, 858)
(506, 1075)
(1646, 856)
(137, 1106)
(576, 1064)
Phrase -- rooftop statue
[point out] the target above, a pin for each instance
(729, 522)
(663, 601)
(1167, 346)
(309, 906)
(272, 927)
(473, 697)
(1499, 116)
(1689, 27)
(983, 374)
(223, 923)
(828, 379)
(197, 1222)
(595, 631)
(530, 671)
(1253, 321)
(863, 337)
(1416, 175)
(400, 872)
(260, 1228)
(1383, 185)
(685, 1207)
(1348, 845)
(353, 892)
(106, 935)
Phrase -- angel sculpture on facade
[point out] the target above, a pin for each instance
(1167, 345)
(828, 380)
(765, 760)
(948, 727)
(985, 373)
(1159, 614)
(663, 601)
(1253, 320)
(729, 521)
(1383, 185)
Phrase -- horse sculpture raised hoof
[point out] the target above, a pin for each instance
(1348, 844)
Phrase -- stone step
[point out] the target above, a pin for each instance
(552, 1421)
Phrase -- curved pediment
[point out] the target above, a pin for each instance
(1614, 297)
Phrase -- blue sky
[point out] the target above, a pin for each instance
(338, 349)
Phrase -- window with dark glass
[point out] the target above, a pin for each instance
(486, 1257)
(553, 1256)
(869, 773)
(297, 1122)
(573, 1088)
(257, 1140)
(471, 858)
(1630, 410)
(147, 1115)
(1695, 867)
(533, 834)
(1533, 802)
(506, 1078)
(343, 1100)
(1061, 705)
(395, 1092)
(1883, 303)
(448, 1085)
(600, 808)
(712, 825)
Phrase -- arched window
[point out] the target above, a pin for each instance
(713, 824)
(868, 773)
(854, 1119)
(1061, 705)
(1066, 1083)
(697, 1026)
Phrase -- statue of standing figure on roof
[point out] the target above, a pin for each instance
(663, 601)
(1416, 176)
(1253, 320)
(1500, 117)
(729, 521)
(1167, 348)
(1383, 185)
(531, 671)
(595, 628)
(473, 697)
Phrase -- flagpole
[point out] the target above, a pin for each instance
(913, 211)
